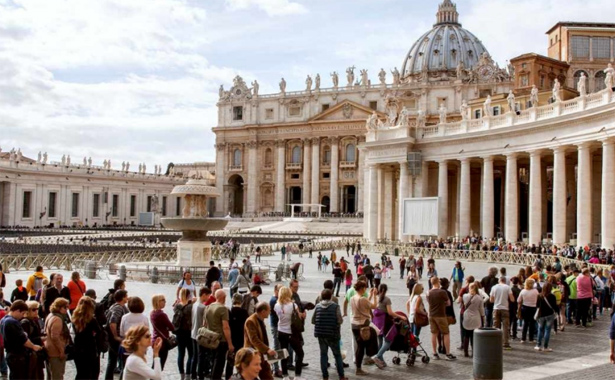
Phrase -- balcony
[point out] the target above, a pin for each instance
(268, 167)
(348, 164)
(293, 166)
(236, 168)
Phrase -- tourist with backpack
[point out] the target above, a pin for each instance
(35, 282)
(108, 300)
(114, 317)
(182, 321)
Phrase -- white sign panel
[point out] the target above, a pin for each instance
(420, 216)
(146, 218)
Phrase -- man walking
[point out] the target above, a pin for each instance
(501, 295)
(217, 316)
(327, 319)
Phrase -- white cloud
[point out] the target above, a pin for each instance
(271, 7)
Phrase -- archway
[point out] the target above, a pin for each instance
(326, 202)
(235, 196)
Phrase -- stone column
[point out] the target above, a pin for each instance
(404, 189)
(306, 174)
(334, 174)
(465, 207)
(608, 193)
(315, 173)
(535, 214)
(584, 195)
(280, 197)
(220, 160)
(443, 198)
(488, 198)
(388, 203)
(424, 179)
(373, 203)
(511, 223)
(559, 195)
(361, 177)
(252, 176)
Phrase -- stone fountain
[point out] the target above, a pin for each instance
(194, 247)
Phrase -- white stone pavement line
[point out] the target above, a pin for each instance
(558, 368)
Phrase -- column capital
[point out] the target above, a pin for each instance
(487, 158)
(252, 144)
(442, 162)
(511, 156)
(465, 160)
(307, 141)
(536, 153)
(334, 140)
(315, 140)
(607, 141)
(584, 145)
(280, 143)
(559, 149)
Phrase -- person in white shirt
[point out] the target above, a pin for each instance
(135, 317)
(501, 295)
(138, 339)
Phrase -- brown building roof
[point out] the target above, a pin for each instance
(582, 24)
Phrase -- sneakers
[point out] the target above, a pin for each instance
(538, 348)
(522, 341)
(436, 356)
(507, 347)
(360, 372)
(379, 363)
(450, 357)
(548, 349)
(368, 361)
(299, 378)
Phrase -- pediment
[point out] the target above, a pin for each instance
(346, 110)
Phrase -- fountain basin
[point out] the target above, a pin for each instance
(194, 224)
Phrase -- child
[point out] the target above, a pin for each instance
(19, 293)
(348, 279)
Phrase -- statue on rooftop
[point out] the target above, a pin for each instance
(582, 84)
(335, 79)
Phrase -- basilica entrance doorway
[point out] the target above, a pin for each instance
(235, 195)
(294, 195)
(349, 199)
(325, 201)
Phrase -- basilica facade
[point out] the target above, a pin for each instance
(504, 156)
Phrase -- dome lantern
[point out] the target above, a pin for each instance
(447, 13)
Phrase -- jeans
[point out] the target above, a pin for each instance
(276, 345)
(200, 361)
(112, 356)
(544, 330)
(184, 343)
(219, 361)
(334, 345)
(583, 305)
(295, 342)
(456, 288)
(527, 313)
(337, 283)
(488, 314)
(571, 310)
(502, 322)
(513, 319)
(401, 273)
(384, 345)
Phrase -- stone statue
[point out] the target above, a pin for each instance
(255, 87)
(372, 122)
(396, 77)
(460, 70)
(85, 161)
(144, 168)
(487, 106)
(105, 164)
(19, 154)
(556, 88)
(420, 119)
(221, 91)
(463, 109)
(154, 204)
(511, 101)
(127, 166)
(45, 156)
(40, 157)
(140, 168)
(392, 107)
(317, 82)
(582, 84)
(308, 84)
(283, 86)
(12, 155)
(335, 78)
(382, 75)
(89, 162)
(63, 160)
(534, 96)
(511, 69)
(123, 165)
(155, 169)
(404, 116)
(109, 164)
(610, 77)
(350, 75)
(442, 113)
(364, 78)
(68, 160)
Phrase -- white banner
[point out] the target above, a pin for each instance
(420, 216)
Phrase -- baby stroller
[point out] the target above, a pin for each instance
(405, 342)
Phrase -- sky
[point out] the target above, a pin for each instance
(138, 80)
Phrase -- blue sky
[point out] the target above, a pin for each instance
(138, 80)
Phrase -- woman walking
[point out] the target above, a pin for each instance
(88, 343)
(473, 316)
(547, 305)
(182, 316)
(384, 317)
(58, 337)
(527, 308)
(285, 308)
(137, 340)
(361, 317)
(161, 325)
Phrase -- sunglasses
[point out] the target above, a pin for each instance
(148, 336)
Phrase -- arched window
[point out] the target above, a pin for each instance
(577, 75)
(599, 81)
(237, 157)
(296, 155)
(268, 157)
(350, 153)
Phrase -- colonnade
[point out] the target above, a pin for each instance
(557, 192)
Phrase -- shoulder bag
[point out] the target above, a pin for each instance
(542, 299)
(421, 319)
(207, 338)
(296, 323)
(171, 341)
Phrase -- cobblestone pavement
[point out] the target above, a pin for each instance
(520, 361)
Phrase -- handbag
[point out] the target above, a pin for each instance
(365, 333)
(208, 339)
(296, 323)
(171, 342)
(451, 319)
(421, 319)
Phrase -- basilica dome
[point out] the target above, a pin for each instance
(444, 46)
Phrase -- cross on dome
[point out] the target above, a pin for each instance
(447, 13)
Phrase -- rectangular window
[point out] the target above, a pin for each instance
(164, 206)
(269, 114)
(178, 206)
(75, 205)
(478, 114)
(149, 203)
(51, 205)
(325, 107)
(601, 47)
(496, 110)
(133, 205)
(238, 113)
(374, 105)
(524, 81)
(294, 111)
(327, 157)
(96, 206)
(115, 205)
(294, 176)
(542, 81)
(27, 203)
(326, 175)
(579, 46)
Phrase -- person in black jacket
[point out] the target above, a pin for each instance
(213, 274)
(99, 311)
(327, 319)
(487, 283)
(19, 293)
(54, 291)
(90, 340)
